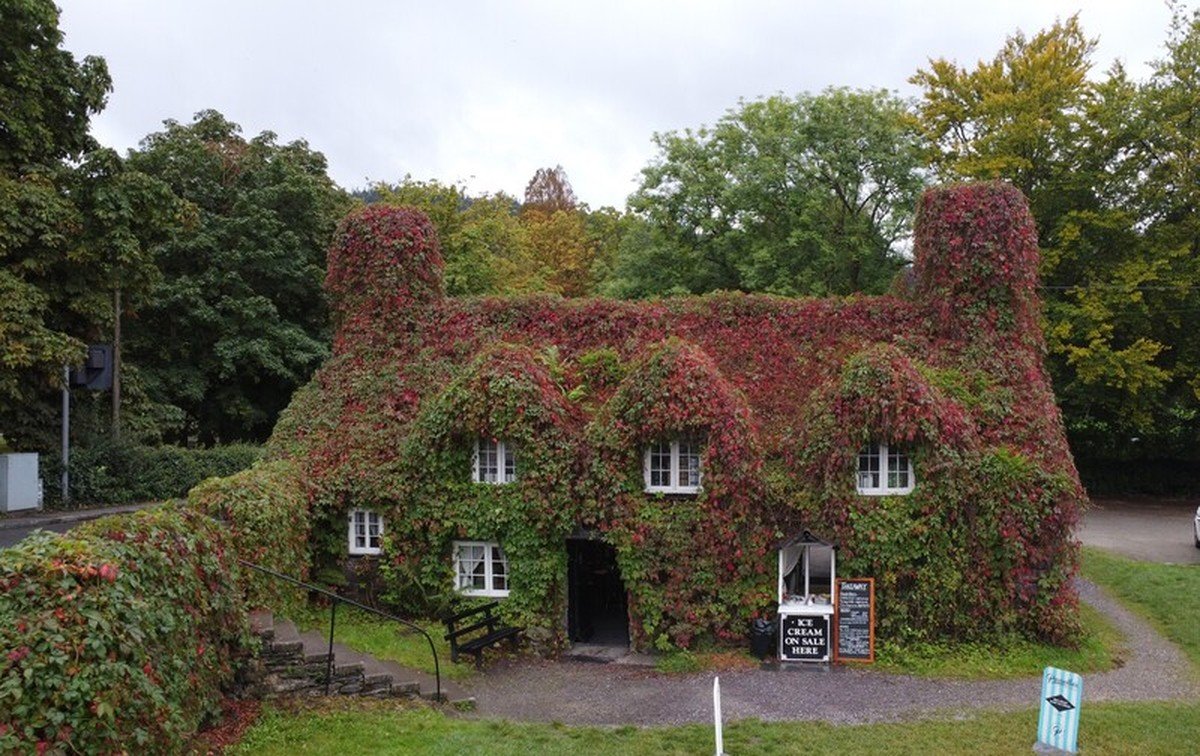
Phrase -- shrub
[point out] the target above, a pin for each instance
(125, 473)
(266, 511)
(119, 637)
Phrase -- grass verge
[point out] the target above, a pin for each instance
(385, 639)
(1167, 595)
(1101, 648)
(1154, 728)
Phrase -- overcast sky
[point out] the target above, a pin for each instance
(485, 93)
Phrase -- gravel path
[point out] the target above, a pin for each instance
(583, 693)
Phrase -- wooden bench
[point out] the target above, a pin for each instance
(483, 626)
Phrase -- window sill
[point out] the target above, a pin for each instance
(483, 593)
(884, 491)
(689, 490)
(365, 552)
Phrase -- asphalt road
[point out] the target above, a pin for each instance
(1154, 530)
(10, 536)
(15, 527)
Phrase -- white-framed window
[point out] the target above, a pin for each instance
(494, 461)
(672, 466)
(366, 529)
(480, 569)
(884, 470)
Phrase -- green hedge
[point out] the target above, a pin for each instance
(120, 637)
(266, 511)
(1150, 477)
(127, 473)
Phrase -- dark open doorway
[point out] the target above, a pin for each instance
(596, 611)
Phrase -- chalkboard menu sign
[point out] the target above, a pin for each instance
(804, 637)
(856, 619)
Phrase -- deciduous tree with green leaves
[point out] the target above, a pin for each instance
(485, 247)
(75, 220)
(811, 194)
(237, 321)
(1083, 150)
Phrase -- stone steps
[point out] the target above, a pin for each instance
(297, 663)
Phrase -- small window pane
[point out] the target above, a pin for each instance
(868, 466)
(689, 464)
(897, 469)
(510, 462)
(499, 569)
(471, 567)
(374, 529)
(487, 461)
(660, 465)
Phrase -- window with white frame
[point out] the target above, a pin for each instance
(494, 462)
(480, 569)
(366, 529)
(673, 466)
(884, 469)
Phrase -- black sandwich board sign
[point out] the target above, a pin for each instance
(804, 637)
(855, 619)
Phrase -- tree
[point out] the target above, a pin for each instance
(806, 195)
(1012, 117)
(46, 96)
(561, 250)
(497, 247)
(1082, 150)
(237, 321)
(549, 191)
(1169, 197)
(485, 247)
(75, 221)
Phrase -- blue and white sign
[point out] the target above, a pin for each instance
(1058, 720)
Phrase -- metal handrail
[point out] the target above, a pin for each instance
(437, 670)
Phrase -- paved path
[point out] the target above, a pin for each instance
(583, 693)
(1157, 530)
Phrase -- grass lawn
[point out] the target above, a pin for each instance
(1168, 595)
(382, 728)
(385, 639)
(1101, 648)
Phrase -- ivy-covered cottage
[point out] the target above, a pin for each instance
(628, 469)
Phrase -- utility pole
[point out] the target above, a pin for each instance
(116, 383)
(66, 434)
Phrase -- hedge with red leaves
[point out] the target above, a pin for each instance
(119, 637)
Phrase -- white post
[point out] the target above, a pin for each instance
(717, 715)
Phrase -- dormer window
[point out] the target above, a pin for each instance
(495, 461)
(884, 470)
(672, 467)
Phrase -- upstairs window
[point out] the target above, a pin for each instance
(884, 470)
(495, 461)
(480, 569)
(366, 529)
(673, 467)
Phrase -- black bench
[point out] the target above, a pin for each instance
(479, 620)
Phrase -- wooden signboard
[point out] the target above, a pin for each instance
(855, 625)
